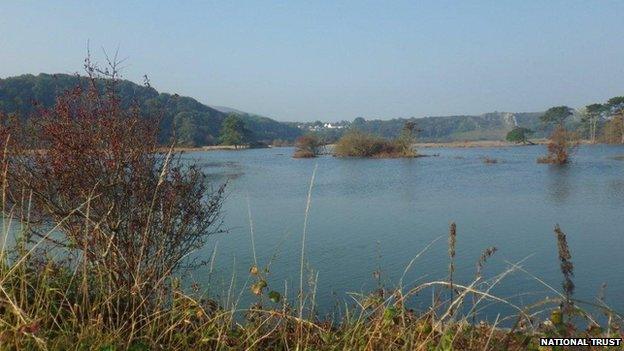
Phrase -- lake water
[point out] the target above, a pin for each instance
(368, 214)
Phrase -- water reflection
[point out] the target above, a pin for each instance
(558, 184)
(408, 182)
(615, 190)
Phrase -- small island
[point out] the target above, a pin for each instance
(355, 143)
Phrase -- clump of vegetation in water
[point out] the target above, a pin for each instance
(489, 160)
(561, 142)
(358, 144)
(308, 146)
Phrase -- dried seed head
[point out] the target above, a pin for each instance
(452, 239)
(567, 269)
(487, 253)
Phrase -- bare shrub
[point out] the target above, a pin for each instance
(562, 143)
(308, 146)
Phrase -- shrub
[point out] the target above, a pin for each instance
(358, 144)
(308, 146)
(125, 215)
(560, 146)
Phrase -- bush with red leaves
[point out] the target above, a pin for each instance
(94, 172)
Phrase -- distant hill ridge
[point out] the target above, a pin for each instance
(197, 124)
(488, 126)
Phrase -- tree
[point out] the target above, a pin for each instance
(358, 123)
(190, 129)
(519, 135)
(616, 102)
(591, 116)
(556, 115)
(407, 137)
(233, 131)
(616, 111)
(561, 141)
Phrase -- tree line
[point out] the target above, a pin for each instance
(190, 122)
(599, 122)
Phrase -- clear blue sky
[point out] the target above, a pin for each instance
(332, 60)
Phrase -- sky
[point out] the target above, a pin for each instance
(336, 60)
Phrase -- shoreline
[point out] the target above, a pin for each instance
(420, 145)
(478, 143)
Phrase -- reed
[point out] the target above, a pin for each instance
(567, 270)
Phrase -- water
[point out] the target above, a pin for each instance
(370, 214)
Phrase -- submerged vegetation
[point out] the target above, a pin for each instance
(489, 160)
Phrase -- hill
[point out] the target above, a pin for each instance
(488, 126)
(195, 124)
